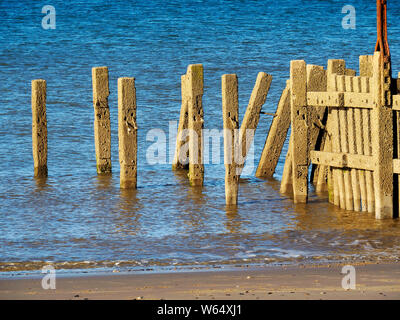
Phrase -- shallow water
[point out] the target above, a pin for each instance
(76, 219)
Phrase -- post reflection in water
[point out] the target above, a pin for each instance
(127, 215)
(103, 181)
(233, 220)
(41, 183)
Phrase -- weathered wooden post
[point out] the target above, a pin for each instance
(382, 141)
(181, 155)
(286, 182)
(316, 82)
(102, 128)
(127, 132)
(276, 136)
(39, 128)
(195, 123)
(252, 116)
(300, 130)
(230, 113)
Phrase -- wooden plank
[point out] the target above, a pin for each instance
(340, 99)
(352, 147)
(322, 172)
(336, 67)
(230, 114)
(359, 146)
(39, 127)
(342, 160)
(276, 136)
(300, 130)
(195, 123)
(252, 116)
(382, 143)
(127, 133)
(317, 82)
(343, 137)
(366, 73)
(366, 119)
(181, 156)
(339, 191)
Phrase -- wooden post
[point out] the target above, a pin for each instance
(102, 128)
(252, 116)
(286, 183)
(300, 131)
(382, 142)
(230, 113)
(195, 123)
(316, 81)
(39, 128)
(127, 133)
(276, 136)
(181, 156)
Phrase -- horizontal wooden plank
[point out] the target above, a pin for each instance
(396, 102)
(340, 99)
(345, 160)
(342, 160)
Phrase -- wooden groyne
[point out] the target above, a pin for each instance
(346, 127)
(343, 125)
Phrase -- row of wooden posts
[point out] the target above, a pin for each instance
(345, 125)
(191, 119)
(127, 128)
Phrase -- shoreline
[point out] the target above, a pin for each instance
(314, 282)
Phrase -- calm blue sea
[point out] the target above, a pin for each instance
(77, 220)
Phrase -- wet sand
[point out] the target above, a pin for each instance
(373, 281)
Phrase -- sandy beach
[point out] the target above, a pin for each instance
(373, 281)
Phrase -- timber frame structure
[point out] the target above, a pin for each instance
(347, 126)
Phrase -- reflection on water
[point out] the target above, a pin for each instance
(77, 219)
(233, 223)
(173, 224)
(103, 181)
(41, 183)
